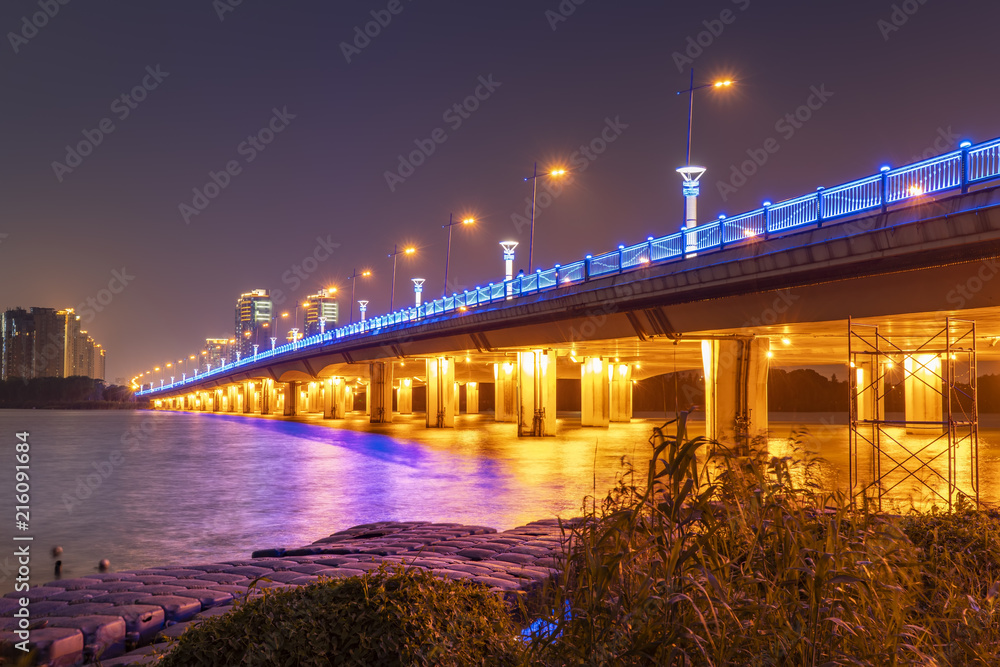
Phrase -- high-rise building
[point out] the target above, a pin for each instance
(253, 317)
(45, 342)
(17, 333)
(49, 352)
(219, 351)
(321, 312)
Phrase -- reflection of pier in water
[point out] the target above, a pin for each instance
(826, 435)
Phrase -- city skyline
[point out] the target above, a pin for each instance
(309, 146)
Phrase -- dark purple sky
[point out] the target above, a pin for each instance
(891, 94)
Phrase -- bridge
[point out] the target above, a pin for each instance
(905, 249)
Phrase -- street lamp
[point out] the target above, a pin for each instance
(418, 288)
(534, 194)
(363, 305)
(447, 258)
(688, 172)
(508, 259)
(354, 282)
(396, 251)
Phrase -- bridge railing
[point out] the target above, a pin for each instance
(967, 166)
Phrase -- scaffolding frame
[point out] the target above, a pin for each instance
(939, 378)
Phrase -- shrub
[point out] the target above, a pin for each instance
(737, 560)
(382, 618)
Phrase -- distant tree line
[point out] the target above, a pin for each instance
(73, 392)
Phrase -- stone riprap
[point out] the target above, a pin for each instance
(123, 617)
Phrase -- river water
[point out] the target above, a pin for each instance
(159, 488)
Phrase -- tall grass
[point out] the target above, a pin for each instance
(744, 560)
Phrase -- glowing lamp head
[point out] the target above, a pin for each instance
(410, 251)
(468, 221)
(557, 172)
(916, 191)
(723, 84)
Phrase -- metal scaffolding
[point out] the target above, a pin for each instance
(934, 449)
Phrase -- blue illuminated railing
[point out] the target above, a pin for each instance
(963, 168)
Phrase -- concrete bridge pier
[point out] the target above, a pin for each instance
(735, 389)
(291, 399)
(441, 392)
(621, 393)
(536, 391)
(267, 397)
(315, 399)
(505, 393)
(404, 396)
(335, 398)
(472, 398)
(595, 394)
(249, 398)
(923, 386)
(380, 392)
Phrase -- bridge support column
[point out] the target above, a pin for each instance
(335, 398)
(267, 397)
(505, 392)
(869, 389)
(249, 396)
(735, 389)
(217, 401)
(621, 393)
(380, 392)
(472, 398)
(291, 398)
(315, 400)
(595, 394)
(536, 390)
(457, 402)
(441, 393)
(923, 387)
(404, 396)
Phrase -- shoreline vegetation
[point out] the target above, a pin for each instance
(698, 557)
(72, 393)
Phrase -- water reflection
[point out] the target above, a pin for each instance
(194, 487)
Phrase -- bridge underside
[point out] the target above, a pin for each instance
(905, 271)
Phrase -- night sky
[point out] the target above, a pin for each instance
(887, 83)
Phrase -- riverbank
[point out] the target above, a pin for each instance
(124, 617)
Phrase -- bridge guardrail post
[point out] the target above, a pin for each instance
(767, 219)
(965, 146)
(649, 249)
(621, 258)
(884, 190)
(586, 267)
(819, 206)
(722, 231)
(557, 267)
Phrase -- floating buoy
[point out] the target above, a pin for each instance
(56, 551)
(104, 565)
